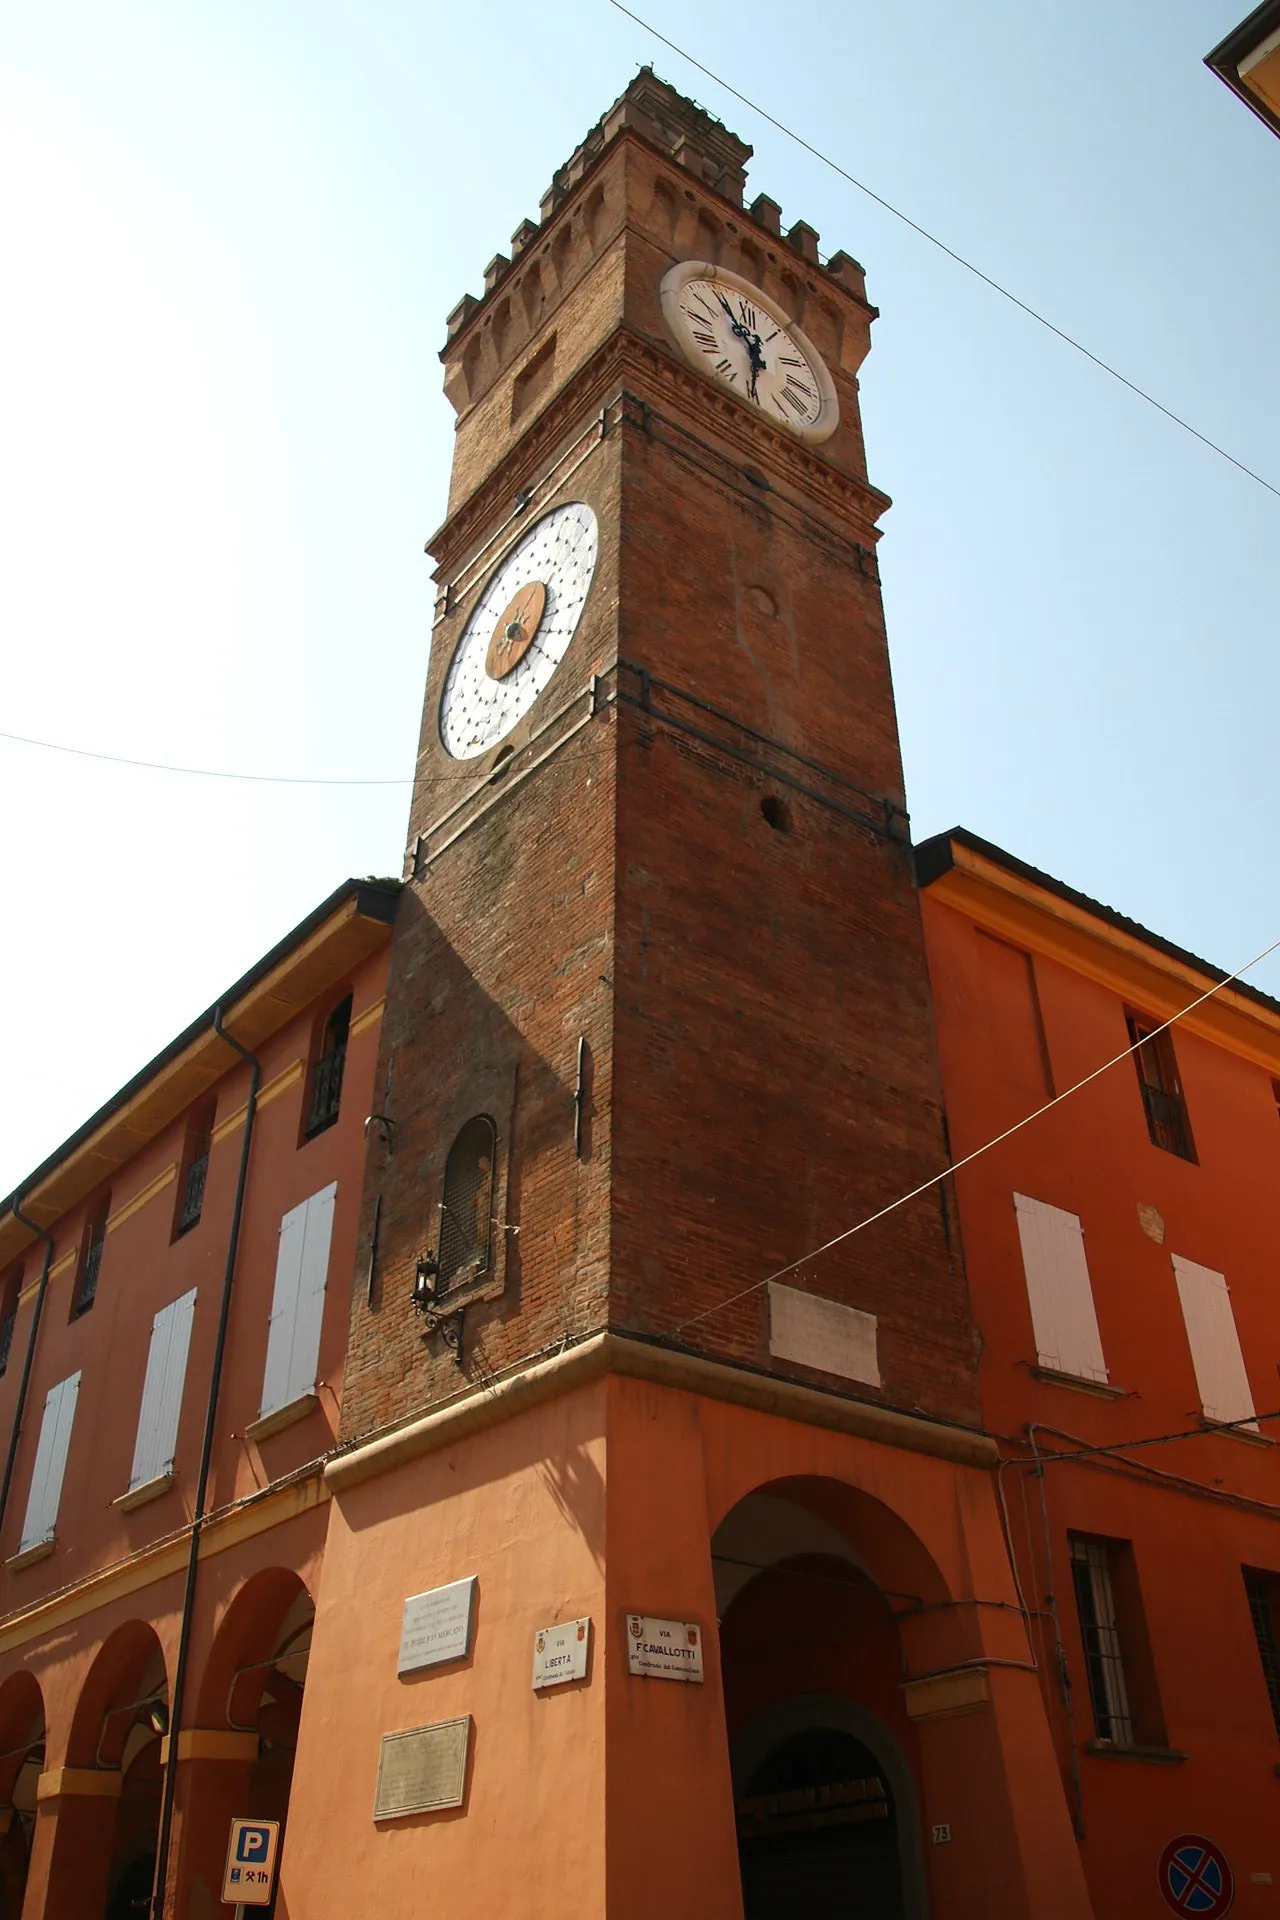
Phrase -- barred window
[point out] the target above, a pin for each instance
(9, 1314)
(199, 1147)
(466, 1209)
(95, 1239)
(1091, 1572)
(326, 1075)
(1263, 1590)
(1162, 1095)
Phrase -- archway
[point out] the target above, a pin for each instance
(21, 1762)
(104, 1845)
(814, 1582)
(247, 1711)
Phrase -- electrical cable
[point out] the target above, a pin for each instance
(960, 260)
(967, 1159)
(202, 773)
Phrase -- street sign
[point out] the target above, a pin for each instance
(249, 1879)
(560, 1653)
(1195, 1877)
(664, 1649)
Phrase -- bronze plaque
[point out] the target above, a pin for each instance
(422, 1769)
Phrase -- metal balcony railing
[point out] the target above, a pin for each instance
(193, 1193)
(326, 1090)
(1167, 1120)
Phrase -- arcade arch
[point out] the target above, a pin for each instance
(816, 1585)
(22, 1728)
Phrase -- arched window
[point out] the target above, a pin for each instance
(466, 1210)
(326, 1075)
(195, 1167)
(95, 1239)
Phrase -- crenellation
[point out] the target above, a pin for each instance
(767, 214)
(496, 270)
(802, 239)
(525, 234)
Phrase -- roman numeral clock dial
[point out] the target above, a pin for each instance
(519, 631)
(733, 333)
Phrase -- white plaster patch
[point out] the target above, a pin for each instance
(821, 1333)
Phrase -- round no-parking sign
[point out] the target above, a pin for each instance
(1196, 1877)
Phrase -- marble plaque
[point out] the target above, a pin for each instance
(437, 1626)
(664, 1649)
(560, 1653)
(422, 1769)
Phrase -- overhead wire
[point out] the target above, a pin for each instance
(960, 260)
(201, 773)
(967, 1159)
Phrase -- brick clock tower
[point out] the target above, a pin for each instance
(658, 1025)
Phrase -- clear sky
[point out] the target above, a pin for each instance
(230, 235)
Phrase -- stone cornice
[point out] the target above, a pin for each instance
(607, 1353)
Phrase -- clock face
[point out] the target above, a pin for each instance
(518, 632)
(733, 332)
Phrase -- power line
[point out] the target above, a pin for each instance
(200, 773)
(959, 258)
(968, 1158)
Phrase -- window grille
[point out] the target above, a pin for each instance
(1263, 1590)
(326, 1076)
(1095, 1603)
(466, 1210)
(8, 1320)
(1166, 1110)
(87, 1286)
(197, 1173)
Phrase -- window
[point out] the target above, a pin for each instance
(297, 1306)
(195, 1169)
(466, 1209)
(1162, 1098)
(326, 1075)
(162, 1392)
(1100, 1631)
(51, 1463)
(1062, 1313)
(95, 1238)
(1263, 1590)
(1223, 1384)
(9, 1314)
(1122, 1689)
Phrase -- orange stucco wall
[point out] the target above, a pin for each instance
(1194, 1512)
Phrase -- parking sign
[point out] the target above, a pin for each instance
(251, 1863)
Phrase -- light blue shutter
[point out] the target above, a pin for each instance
(297, 1306)
(162, 1391)
(317, 1233)
(51, 1463)
(284, 1309)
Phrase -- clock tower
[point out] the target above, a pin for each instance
(657, 1030)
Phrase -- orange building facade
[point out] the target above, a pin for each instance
(489, 1483)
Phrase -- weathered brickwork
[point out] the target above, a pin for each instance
(752, 997)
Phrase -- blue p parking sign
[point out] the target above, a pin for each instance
(251, 1863)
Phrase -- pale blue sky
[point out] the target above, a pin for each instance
(230, 237)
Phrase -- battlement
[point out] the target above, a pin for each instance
(679, 128)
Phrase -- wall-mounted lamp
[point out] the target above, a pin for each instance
(426, 1278)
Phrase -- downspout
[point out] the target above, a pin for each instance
(165, 1829)
(28, 1358)
(1059, 1650)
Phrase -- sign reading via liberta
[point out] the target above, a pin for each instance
(560, 1653)
(664, 1649)
(437, 1626)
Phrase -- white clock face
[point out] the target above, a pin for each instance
(731, 331)
(518, 632)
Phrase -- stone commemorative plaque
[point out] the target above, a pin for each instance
(422, 1769)
(437, 1626)
(560, 1653)
(664, 1649)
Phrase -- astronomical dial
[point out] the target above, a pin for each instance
(731, 331)
(519, 631)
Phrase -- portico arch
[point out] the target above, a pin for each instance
(22, 1728)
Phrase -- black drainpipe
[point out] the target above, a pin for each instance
(28, 1358)
(202, 1482)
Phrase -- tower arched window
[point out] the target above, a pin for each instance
(326, 1075)
(466, 1209)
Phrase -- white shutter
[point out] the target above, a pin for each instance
(297, 1306)
(1215, 1344)
(1062, 1311)
(162, 1391)
(318, 1231)
(51, 1463)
